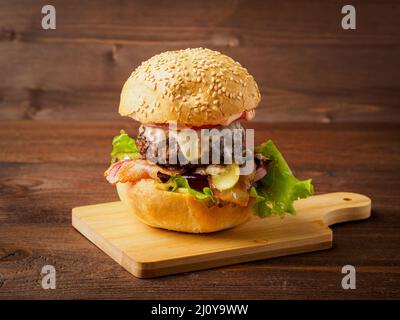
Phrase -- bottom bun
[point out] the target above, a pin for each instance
(176, 211)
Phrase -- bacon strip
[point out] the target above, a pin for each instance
(261, 172)
(262, 166)
(135, 170)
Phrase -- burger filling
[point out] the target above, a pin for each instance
(270, 187)
(154, 144)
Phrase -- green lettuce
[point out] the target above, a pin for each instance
(180, 184)
(124, 147)
(276, 192)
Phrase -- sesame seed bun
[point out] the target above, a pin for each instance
(194, 87)
(176, 211)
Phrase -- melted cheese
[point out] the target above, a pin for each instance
(190, 148)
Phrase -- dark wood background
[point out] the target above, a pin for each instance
(330, 100)
(308, 68)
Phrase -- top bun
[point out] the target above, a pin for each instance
(193, 87)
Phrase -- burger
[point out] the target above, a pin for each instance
(197, 185)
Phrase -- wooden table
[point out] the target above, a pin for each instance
(58, 95)
(48, 167)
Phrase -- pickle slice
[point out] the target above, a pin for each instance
(228, 178)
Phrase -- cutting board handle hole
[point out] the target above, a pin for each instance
(346, 199)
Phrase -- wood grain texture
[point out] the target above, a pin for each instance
(148, 252)
(308, 68)
(45, 165)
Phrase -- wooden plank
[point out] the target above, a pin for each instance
(184, 21)
(308, 69)
(306, 276)
(148, 252)
(44, 165)
(87, 83)
(46, 194)
(89, 142)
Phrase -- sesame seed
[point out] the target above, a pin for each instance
(177, 73)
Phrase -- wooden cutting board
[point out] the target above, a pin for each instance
(150, 252)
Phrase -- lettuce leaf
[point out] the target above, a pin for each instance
(124, 147)
(180, 184)
(276, 192)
